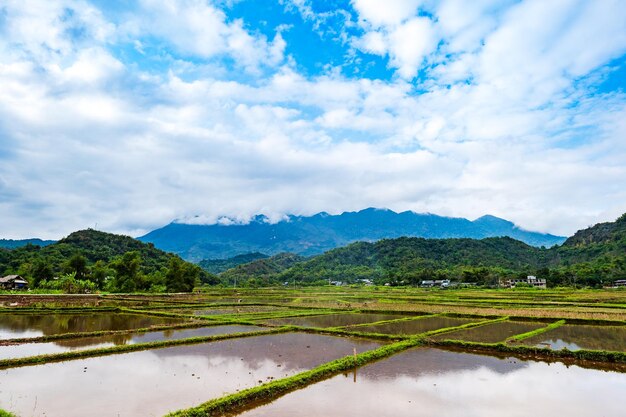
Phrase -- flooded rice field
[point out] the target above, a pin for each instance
(335, 320)
(228, 310)
(34, 325)
(492, 333)
(23, 350)
(431, 382)
(154, 382)
(577, 336)
(419, 325)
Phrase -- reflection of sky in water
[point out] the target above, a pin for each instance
(464, 385)
(558, 345)
(154, 382)
(33, 325)
(65, 345)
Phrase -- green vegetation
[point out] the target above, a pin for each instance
(217, 266)
(527, 335)
(259, 273)
(591, 258)
(89, 260)
(6, 414)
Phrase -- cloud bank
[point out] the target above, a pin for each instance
(127, 117)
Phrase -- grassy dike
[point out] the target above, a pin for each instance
(89, 353)
(527, 335)
(98, 333)
(529, 352)
(266, 393)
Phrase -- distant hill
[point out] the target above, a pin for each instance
(12, 244)
(99, 250)
(592, 257)
(216, 266)
(262, 269)
(319, 233)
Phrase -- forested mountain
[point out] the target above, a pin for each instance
(262, 270)
(321, 232)
(593, 257)
(12, 244)
(216, 266)
(103, 260)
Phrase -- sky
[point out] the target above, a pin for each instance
(126, 115)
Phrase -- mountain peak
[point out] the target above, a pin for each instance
(310, 235)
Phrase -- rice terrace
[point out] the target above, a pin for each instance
(330, 351)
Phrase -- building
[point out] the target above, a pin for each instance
(443, 283)
(531, 280)
(13, 282)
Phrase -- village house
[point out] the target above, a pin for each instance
(531, 280)
(13, 282)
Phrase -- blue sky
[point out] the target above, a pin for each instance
(129, 115)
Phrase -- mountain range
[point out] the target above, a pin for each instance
(592, 257)
(312, 235)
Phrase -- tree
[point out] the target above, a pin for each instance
(99, 273)
(42, 272)
(126, 268)
(181, 276)
(78, 265)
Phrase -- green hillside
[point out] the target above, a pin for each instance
(592, 257)
(102, 261)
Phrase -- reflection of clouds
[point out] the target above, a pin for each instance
(153, 382)
(419, 362)
(530, 389)
(291, 350)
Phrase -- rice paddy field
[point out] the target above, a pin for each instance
(333, 351)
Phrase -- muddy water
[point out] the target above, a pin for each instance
(576, 337)
(417, 326)
(32, 349)
(152, 383)
(492, 333)
(431, 382)
(33, 325)
(334, 320)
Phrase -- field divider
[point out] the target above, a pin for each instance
(81, 354)
(98, 333)
(523, 336)
(529, 352)
(263, 394)
(57, 310)
(376, 323)
(278, 315)
(335, 331)
(462, 327)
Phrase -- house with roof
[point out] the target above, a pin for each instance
(13, 282)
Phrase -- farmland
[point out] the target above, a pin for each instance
(231, 351)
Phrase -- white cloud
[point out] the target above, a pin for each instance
(197, 28)
(385, 13)
(506, 121)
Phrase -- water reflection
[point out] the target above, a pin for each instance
(417, 326)
(31, 349)
(152, 383)
(492, 333)
(334, 320)
(576, 337)
(33, 325)
(430, 382)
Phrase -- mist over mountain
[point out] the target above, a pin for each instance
(310, 235)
